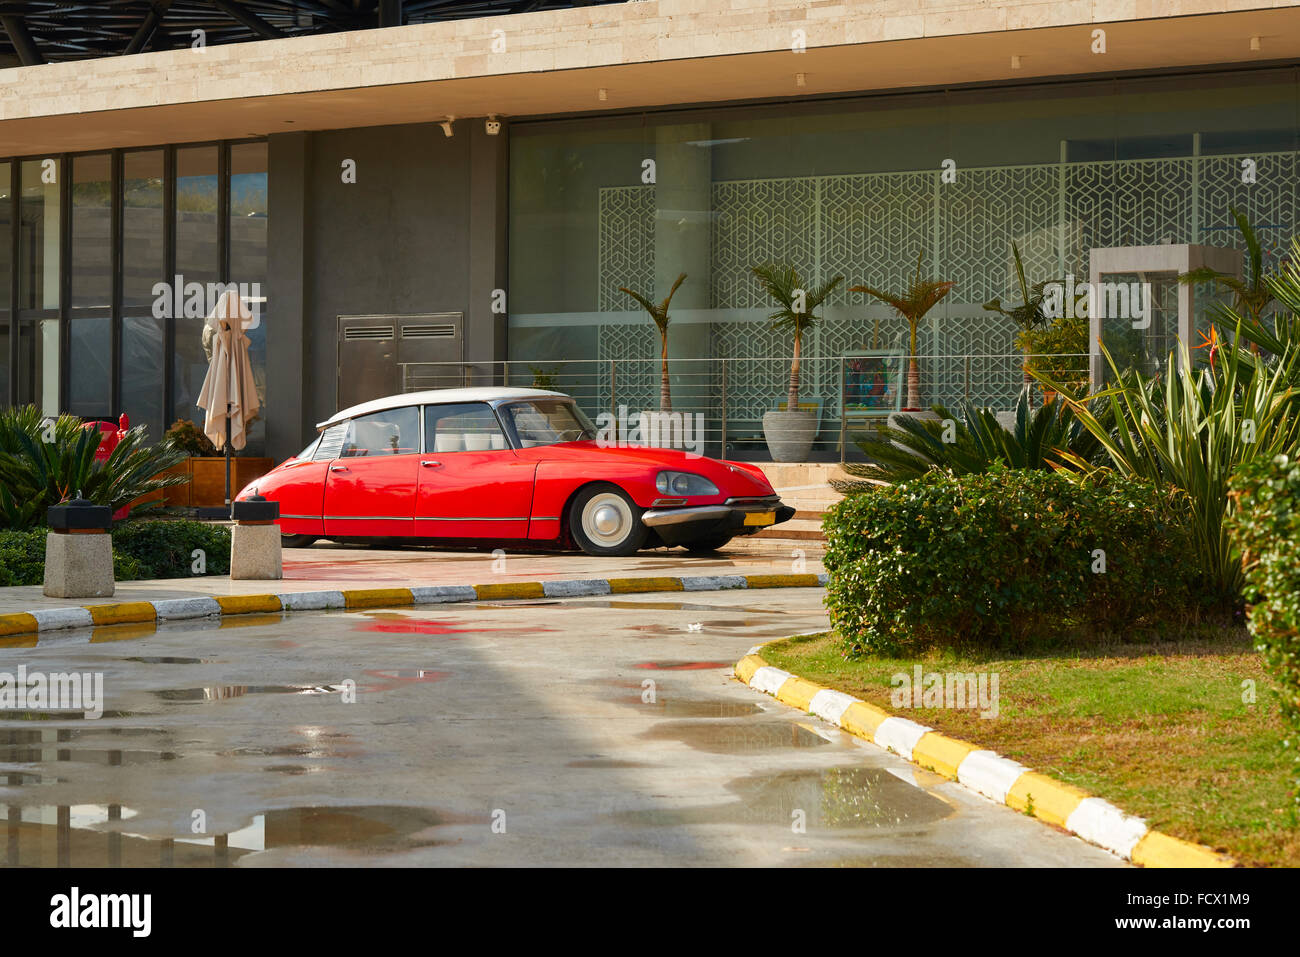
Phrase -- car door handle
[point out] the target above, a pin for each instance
(338, 468)
(430, 464)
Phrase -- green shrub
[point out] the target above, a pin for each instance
(164, 549)
(141, 549)
(992, 560)
(1266, 527)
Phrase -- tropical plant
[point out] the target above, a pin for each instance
(921, 296)
(795, 312)
(659, 316)
(544, 378)
(974, 443)
(190, 439)
(1030, 313)
(1192, 431)
(44, 463)
(1060, 350)
(1251, 294)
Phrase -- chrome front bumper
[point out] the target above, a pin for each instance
(675, 525)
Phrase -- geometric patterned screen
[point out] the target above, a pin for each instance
(870, 227)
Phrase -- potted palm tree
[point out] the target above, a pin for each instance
(659, 316)
(790, 433)
(921, 296)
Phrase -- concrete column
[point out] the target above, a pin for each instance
(288, 424)
(683, 199)
(489, 222)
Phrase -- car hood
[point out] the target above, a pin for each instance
(732, 478)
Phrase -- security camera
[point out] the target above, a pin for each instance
(493, 125)
(446, 126)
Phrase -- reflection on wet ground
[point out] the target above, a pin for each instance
(841, 798)
(738, 737)
(603, 742)
(101, 835)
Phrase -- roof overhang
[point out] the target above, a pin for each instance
(426, 73)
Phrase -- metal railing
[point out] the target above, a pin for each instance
(722, 401)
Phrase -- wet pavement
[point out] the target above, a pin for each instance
(577, 732)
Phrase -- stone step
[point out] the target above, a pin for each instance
(798, 529)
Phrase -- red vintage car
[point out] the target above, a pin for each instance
(497, 465)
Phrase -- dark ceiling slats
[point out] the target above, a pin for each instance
(51, 30)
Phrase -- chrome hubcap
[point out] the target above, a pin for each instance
(607, 520)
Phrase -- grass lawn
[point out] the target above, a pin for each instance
(1159, 729)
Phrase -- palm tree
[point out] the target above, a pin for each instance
(659, 315)
(795, 311)
(921, 296)
(1251, 295)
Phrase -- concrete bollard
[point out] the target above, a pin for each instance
(255, 540)
(79, 550)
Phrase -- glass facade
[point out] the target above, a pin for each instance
(91, 248)
(860, 188)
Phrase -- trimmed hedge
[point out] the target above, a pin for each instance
(141, 549)
(994, 559)
(1266, 527)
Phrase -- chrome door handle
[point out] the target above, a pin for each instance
(338, 468)
(430, 464)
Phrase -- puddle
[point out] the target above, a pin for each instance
(606, 763)
(173, 661)
(683, 665)
(67, 715)
(698, 708)
(101, 836)
(737, 738)
(840, 799)
(223, 692)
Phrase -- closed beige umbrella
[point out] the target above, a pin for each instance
(229, 394)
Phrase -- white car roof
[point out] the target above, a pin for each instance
(490, 394)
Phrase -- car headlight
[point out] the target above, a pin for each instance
(684, 483)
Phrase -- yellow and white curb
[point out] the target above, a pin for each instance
(179, 609)
(997, 778)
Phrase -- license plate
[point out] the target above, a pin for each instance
(760, 518)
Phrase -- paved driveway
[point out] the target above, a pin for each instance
(602, 732)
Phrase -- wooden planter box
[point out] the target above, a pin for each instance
(207, 480)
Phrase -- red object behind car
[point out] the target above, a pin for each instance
(111, 433)
(508, 464)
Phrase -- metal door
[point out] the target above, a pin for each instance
(385, 355)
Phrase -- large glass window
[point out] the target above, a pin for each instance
(248, 225)
(6, 276)
(198, 260)
(38, 238)
(144, 253)
(860, 189)
(92, 230)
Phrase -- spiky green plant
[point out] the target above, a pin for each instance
(1251, 294)
(659, 316)
(919, 298)
(796, 309)
(42, 464)
(970, 443)
(1192, 430)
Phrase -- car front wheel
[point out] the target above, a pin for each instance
(605, 521)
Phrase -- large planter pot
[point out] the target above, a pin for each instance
(206, 487)
(789, 435)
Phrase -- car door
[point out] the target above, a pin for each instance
(370, 488)
(302, 492)
(471, 483)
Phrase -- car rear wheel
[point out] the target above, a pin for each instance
(605, 521)
(296, 541)
(708, 544)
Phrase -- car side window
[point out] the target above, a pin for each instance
(331, 443)
(464, 427)
(390, 432)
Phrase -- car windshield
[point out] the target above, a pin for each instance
(547, 422)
